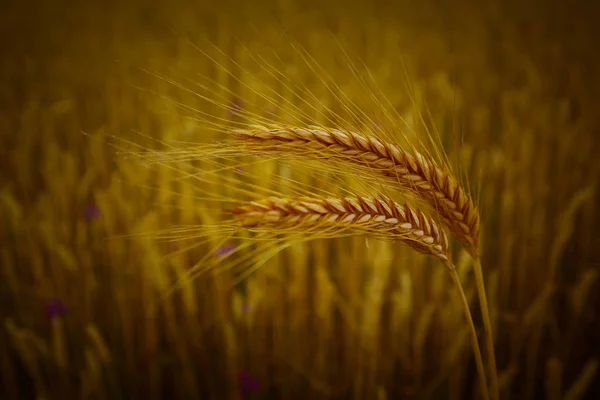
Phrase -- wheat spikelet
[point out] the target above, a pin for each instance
(380, 217)
(413, 171)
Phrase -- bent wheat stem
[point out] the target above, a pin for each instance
(487, 326)
(380, 217)
(474, 341)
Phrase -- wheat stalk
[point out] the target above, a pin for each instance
(412, 170)
(380, 217)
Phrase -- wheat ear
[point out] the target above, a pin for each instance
(413, 171)
(380, 217)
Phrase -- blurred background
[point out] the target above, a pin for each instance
(519, 83)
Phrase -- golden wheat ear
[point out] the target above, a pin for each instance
(382, 218)
(412, 171)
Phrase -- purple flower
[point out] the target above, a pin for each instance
(235, 107)
(56, 308)
(248, 383)
(224, 250)
(92, 212)
(246, 308)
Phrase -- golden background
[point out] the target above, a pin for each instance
(519, 80)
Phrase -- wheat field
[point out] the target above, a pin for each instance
(135, 137)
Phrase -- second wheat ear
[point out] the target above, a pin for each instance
(379, 217)
(411, 171)
(382, 218)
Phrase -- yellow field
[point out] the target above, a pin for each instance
(512, 93)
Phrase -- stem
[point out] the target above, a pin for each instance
(487, 327)
(474, 342)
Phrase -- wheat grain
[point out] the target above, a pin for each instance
(413, 171)
(378, 216)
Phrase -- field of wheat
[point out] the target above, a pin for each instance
(299, 200)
